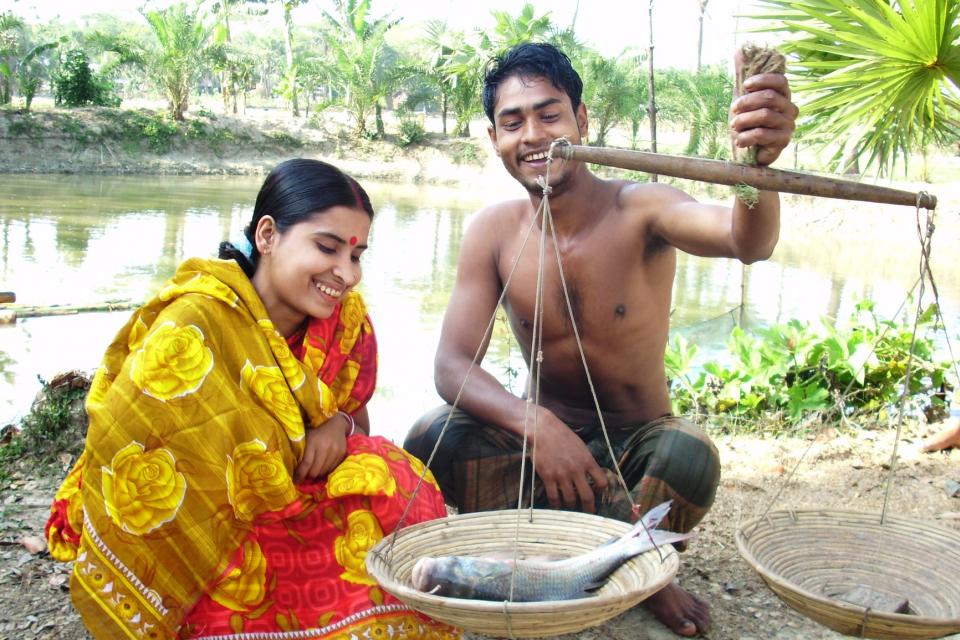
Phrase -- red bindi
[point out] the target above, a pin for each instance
(353, 240)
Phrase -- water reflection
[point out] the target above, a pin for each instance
(84, 240)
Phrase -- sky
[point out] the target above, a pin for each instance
(608, 26)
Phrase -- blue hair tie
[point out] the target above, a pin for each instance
(243, 245)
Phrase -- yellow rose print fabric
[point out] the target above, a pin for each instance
(173, 362)
(257, 481)
(142, 490)
(342, 349)
(363, 531)
(182, 518)
(245, 585)
(361, 474)
(197, 415)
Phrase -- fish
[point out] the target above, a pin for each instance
(489, 578)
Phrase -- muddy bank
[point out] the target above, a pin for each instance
(99, 140)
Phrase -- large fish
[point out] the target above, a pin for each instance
(486, 578)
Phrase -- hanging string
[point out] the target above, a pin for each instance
(580, 350)
(456, 401)
(925, 271)
(533, 383)
(789, 478)
(926, 237)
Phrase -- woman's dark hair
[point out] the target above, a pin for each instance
(293, 192)
(532, 59)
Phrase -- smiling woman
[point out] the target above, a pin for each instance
(227, 475)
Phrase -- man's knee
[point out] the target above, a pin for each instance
(689, 462)
(423, 435)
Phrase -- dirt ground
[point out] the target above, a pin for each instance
(840, 470)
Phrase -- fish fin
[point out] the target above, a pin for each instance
(591, 587)
(649, 521)
(653, 517)
(656, 538)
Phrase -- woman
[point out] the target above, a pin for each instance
(227, 484)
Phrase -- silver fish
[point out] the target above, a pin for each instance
(485, 578)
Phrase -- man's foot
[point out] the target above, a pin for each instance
(947, 437)
(683, 613)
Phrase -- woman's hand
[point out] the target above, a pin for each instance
(324, 448)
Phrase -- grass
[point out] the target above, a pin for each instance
(56, 424)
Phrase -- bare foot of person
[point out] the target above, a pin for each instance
(947, 437)
(683, 613)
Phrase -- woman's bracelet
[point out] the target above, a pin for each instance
(350, 421)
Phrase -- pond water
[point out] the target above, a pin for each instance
(85, 240)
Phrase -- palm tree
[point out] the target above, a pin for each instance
(362, 68)
(288, 84)
(290, 77)
(21, 62)
(525, 27)
(604, 84)
(440, 44)
(466, 68)
(232, 64)
(31, 70)
(177, 61)
(10, 26)
(700, 101)
(878, 78)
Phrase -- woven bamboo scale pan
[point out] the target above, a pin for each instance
(550, 533)
(814, 559)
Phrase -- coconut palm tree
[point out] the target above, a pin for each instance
(880, 79)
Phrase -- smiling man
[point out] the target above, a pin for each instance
(618, 241)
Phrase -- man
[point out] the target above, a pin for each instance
(948, 437)
(618, 242)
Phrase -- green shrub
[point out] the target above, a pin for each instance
(284, 139)
(783, 375)
(466, 152)
(75, 84)
(412, 131)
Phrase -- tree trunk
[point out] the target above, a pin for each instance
(226, 86)
(652, 104)
(703, 11)
(443, 111)
(288, 50)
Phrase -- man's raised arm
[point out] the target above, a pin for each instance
(763, 117)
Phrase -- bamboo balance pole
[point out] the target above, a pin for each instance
(763, 178)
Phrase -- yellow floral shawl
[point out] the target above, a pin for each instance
(197, 417)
